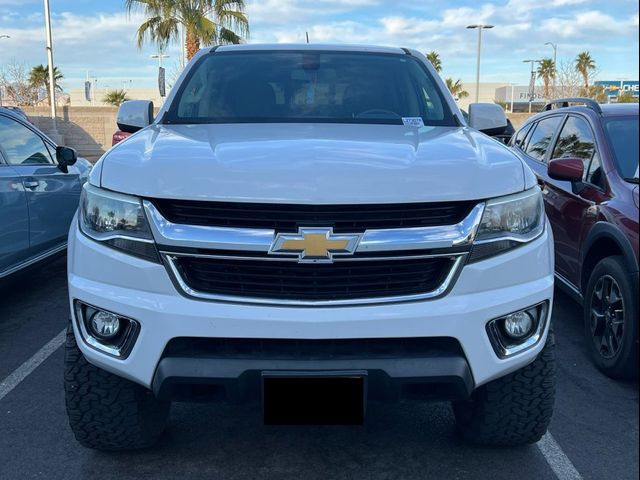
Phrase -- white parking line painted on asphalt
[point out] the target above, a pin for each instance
(557, 459)
(20, 373)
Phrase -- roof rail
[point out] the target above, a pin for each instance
(564, 102)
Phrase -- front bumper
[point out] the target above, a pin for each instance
(231, 369)
(143, 291)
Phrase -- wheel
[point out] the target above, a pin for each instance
(513, 410)
(107, 412)
(611, 319)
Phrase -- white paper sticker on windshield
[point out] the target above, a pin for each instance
(413, 121)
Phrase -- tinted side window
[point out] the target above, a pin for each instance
(594, 174)
(542, 136)
(576, 141)
(518, 138)
(20, 145)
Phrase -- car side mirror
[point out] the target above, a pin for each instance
(134, 115)
(489, 118)
(567, 169)
(65, 156)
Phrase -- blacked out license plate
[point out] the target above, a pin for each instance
(314, 398)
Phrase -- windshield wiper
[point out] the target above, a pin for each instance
(631, 179)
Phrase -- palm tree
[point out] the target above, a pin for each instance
(39, 78)
(115, 98)
(546, 71)
(456, 88)
(584, 65)
(206, 22)
(434, 58)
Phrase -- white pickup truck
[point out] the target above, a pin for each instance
(310, 215)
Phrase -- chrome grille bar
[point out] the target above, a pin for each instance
(168, 234)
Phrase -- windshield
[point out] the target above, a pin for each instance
(623, 137)
(294, 86)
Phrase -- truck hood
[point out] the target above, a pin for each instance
(311, 163)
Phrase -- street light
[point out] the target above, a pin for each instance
(159, 56)
(52, 86)
(2, 36)
(161, 73)
(532, 81)
(480, 27)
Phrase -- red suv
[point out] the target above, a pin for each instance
(119, 136)
(585, 157)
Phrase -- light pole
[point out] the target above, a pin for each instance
(512, 91)
(160, 56)
(161, 73)
(555, 65)
(2, 36)
(532, 81)
(52, 86)
(480, 27)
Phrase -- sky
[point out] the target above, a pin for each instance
(98, 37)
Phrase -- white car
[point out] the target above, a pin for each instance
(316, 220)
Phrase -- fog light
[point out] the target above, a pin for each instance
(104, 324)
(518, 325)
(518, 331)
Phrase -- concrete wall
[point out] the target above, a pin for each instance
(77, 99)
(518, 119)
(89, 129)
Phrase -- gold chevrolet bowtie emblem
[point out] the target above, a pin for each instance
(314, 244)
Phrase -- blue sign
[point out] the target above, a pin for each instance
(614, 87)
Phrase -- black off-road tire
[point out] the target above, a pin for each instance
(513, 410)
(623, 364)
(107, 412)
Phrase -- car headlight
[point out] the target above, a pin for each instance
(508, 222)
(116, 220)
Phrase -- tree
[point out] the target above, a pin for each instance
(598, 93)
(115, 98)
(585, 65)
(456, 88)
(434, 58)
(206, 22)
(627, 97)
(15, 85)
(39, 78)
(569, 82)
(546, 71)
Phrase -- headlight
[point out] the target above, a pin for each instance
(116, 220)
(508, 222)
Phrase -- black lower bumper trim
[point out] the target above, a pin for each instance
(216, 373)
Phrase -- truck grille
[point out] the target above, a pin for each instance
(287, 218)
(289, 280)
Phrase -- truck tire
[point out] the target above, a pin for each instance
(611, 319)
(513, 410)
(107, 412)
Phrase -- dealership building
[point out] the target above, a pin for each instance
(518, 95)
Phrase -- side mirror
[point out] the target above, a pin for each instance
(134, 115)
(489, 118)
(567, 169)
(65, 156)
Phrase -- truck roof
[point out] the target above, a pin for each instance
(309, 46)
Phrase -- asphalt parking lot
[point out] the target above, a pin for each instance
(594, 430)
